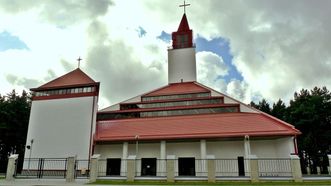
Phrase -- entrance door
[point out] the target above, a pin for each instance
(113, 167)
(241, 166)
(186, 166)
(148, 166)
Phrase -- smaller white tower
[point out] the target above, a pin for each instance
(62, 118)
(181, 57)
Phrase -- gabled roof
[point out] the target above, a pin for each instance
(183, 26)
(74, 78)
(178, 88)
(193, 127)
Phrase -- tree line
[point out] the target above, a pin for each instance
(309, 111)
(14, 120)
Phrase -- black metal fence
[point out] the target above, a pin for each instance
(42, 168)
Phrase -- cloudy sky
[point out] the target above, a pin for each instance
(246, 49)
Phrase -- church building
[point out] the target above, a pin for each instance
(183, 120)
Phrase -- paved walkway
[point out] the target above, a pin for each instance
(43, 182)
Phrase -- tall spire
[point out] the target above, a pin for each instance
(181, 57)
(183, 26)
(183, 37)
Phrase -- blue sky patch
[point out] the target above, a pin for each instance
(9, 41)
(165, 37)
(221, 47)
(141, 31)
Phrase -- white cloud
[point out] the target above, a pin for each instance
(210, 69)
(278, 46)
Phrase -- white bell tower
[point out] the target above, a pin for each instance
(62, 118)
(181, 57)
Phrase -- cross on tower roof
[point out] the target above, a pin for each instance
(184, 6)
(79, 59)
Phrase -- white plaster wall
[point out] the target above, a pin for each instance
(184, 149)
(226, 149)
(181, 65)
(145, 150)
(264, 148)
(60, 128)
(109, 151)
(285, 147)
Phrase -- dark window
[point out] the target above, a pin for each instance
(148, 167)
(186, 166)
(241, 166)
(113, 167)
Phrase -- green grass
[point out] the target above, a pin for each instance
(233, 183)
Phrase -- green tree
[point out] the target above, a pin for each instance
(310, 112)
(263, 106)
(14, 119)
(279, 110)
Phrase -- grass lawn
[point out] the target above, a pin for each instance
(234, 183)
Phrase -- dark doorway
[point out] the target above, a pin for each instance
(113, 167)
(241, 166)
(186, 166)
(148, 166)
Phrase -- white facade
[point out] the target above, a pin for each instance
(221, 149)
(181, 65)
(225, 152)
(61, 128)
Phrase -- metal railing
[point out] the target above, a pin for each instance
(82, 168)
(274, 167)
(230, 168)
(43, 168)
(104, 168)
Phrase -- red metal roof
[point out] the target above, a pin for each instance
(73, 78)
(178, 88)
(193, 127)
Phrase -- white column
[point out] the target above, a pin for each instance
(203, 157)
(247, 146)
(162, 162)
(124, 158)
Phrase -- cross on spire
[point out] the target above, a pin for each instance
(79, 59)
(184, 6)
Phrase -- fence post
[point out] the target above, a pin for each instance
(170, 168)
(131, 168)
(211, 168)
(70, 174)
(11, 167)
(329, 167)
(94, 167)
(254, 168)
(296, 168)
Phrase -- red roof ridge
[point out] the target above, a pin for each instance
(226, 114)
(73, 78)
(158, 92)
(280, 122)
